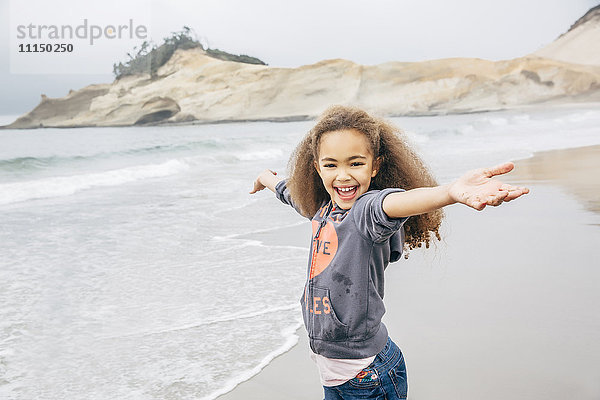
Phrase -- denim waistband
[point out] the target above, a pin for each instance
(390, 355)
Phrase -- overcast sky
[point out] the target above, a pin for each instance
(293, 33)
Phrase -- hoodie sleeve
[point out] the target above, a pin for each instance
(370, 218)
(283, 194)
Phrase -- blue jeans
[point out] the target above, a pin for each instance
(384, 379)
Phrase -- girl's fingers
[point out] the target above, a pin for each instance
(476, 202)
(518, 192)
(511, 188)
(498, 195)
(498, 169)
(257, 187)
(496, 200)
(513, 191)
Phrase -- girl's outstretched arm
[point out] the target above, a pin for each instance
(476, 189)
(266, 179)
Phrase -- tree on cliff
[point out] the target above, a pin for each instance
(149, 58)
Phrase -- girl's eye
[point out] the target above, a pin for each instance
(328, 165)
(356, 164)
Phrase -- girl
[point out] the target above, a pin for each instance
(359, 183)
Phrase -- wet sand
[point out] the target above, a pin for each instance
(505, 306)
(575, 170)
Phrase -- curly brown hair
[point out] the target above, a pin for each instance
(399, 167)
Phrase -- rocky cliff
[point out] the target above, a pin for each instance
(194, 87)
(580, 44)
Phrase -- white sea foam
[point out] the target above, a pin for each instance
(266, 154)
(291, 341)
(224, 318)
(252, 232)
(417, 138)
(68, 185)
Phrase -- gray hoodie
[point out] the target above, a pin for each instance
(342, 304)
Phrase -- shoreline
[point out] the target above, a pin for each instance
(300, 118)
(292, 375)
(570, 169)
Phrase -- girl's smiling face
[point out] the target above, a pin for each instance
(345, 165)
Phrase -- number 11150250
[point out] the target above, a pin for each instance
(45, 48)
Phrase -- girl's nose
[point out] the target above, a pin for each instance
(343, 175)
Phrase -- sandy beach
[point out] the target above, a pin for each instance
(504, 306)
(574, 170)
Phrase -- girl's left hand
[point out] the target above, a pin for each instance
(478, 189)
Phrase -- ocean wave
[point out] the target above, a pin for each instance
(291, 341)
(255, 231)
(33, 162)
(417, 138)
(194, 145)
(68, 185)
(267, 154)
(248, 155)
(577, 117)
(210, 321)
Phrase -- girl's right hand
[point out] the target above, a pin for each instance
(266, 179)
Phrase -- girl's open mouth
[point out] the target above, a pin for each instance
(346, 193)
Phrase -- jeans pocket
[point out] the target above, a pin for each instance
(398, 376)
(365, 385)
(366, 379)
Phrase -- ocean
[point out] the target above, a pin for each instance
(131, 261)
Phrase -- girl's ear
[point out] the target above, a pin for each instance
(376, 165)
(316, 164)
